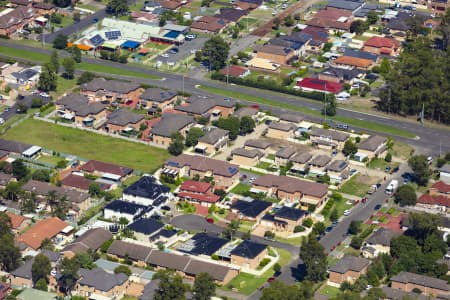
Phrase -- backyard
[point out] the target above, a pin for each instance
(88, 145)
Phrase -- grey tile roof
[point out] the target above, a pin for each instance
(341, 74)
(100, 279)
(372, 142)
(247, 153)
(248, 249)
(213, 136)
(147, 187)
(285, 152)
(117, 86)
(301, 158)
(445, 168)
(382, 236)
(335, 135)
(204, 164)
(337, 165)
(407, 277)
(260, 143)
(171, 123)
(231, 14)
(147, 226)
(281, 126)
(291, 213)
(320, 160)
(246, 112)
(91, 239)
(392, 293)
(158, 95)
(43, 188)
(24, 271)
(350, 262)
(80, 105)
(218, 272)
(124, 117)
(274, 49)
(291, 118)
(360, 54)
(201, 106)
(348, 5)
(13, 146)
(134, 251)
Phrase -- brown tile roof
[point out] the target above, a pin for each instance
(209, 23)
(43, 5)
(92, 239)
(353, 61)
(103, 167)
(320, 160)
(17, 16)
(5, 178)
(382, 42)
(171, 4)
(81, 183)
(302, 157)
(372, 142)
(259, 143)
(334, 135)
(110, 86)
(218, 272)
(43, 188)
(233, 70)
(195, 186)
(282, 126)
(16, 220)
(168, 260)
(47, 228)
(441, 187)
(434, 200)
(422, 280)
(247, 153)
(337, 165)
(204, 164)
(134, 251)
(292, 185)
(286, 152)
(231, 14)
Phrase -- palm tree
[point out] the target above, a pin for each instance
(52, 198)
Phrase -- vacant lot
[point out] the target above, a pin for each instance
(88, 145)
(357, 185)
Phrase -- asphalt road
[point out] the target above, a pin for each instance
(429, 140)
(6, 115)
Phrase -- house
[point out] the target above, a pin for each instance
(4, 290)
(353, 62)
(34, 294)
(439, 202)
(170, 123)
(106, 170)
(48, 228)
(291, 118)
(136, 252)
(97, 283)
(276, 54)
(318, 165)
(291, 189)
(325, 138)
(77, 108)
(344, 5)
(317, 85)
(158, 99)
(27, 76)
(242, 156)
(203, 244)
(407, 282)
(316, 37)
(251, 209)
(380, 241)
(232, 15)
(283, 155)
(25, 3)
(349, 268)
(247, 112)
(395, 294)
(235, 71)
(248, 4)
(279, 130)
(14, 20)
(257, 144)
(100, 89)
(209, 108)
(123, 121)
(248, 254)
(222, 172)
(147, 191)
(16, 148)
(4, 155)
(361, 54)
(44, 8)
(373, 146)
(196, 191)
(140, 16)
(144, 228)
(438, 6)
(338, 171)
(340, 75)
(295, 42)
(81, 183)
(18, 222)
(284, 220)
(92, 239)
(332, 20)
(118, 209)
(382, 46)
(209, 25)
(440, 188)
(444, 173)
(214, 140)
(300, 162)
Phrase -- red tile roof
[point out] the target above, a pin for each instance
(202, 198)
(47, 228)
(381, 42)
(95, 165)
(353, 61)
(80, 182)
(233, 70)
(320, 85)
(195, 186)
(441, 187)
(16, 220)
(437, 200)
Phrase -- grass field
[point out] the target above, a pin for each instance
(353, 187)
(240, 188)
(88, 145)
(330, 291)
(50, 159)
(63, 85)
(87, 6)
(350, 121)
(378, 163)
(35, 56)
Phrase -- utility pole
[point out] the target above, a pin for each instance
(389, 101)
(228, 72)
(183, 83)
(422, 113)
(325, 102)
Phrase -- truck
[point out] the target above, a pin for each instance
(391, 187)
(373, 188)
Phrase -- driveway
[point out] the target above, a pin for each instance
(184, 50)
(6, 115)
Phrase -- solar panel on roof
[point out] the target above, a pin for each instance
(97, 40)
(342, 164)
(221, 22)
(317, 81)
(232, 170)
(113, 35)
(172, 163)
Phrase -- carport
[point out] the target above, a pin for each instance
(130, 45)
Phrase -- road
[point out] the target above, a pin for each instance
(429, 140)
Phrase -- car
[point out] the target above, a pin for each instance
(377, 207)
(95, 20)
(210, 220)
(347, 212)
(339, 243)
(430, 160)
(173, 50)
(252, 179)
(406, 181)
(364, 200)
(329, 228)
(341, 126)
(332, 248)
(227, 99)
(267, 122)
(369, 287)
(394, 170)
(244, 176)
(284, 6)
(271, 279)
(356, 202)
(387, 169)
(318, 238)
(165, 55)
(191, 37)
(7, 109)
(165, 207)
(255, 106)
(2, 121)
(334, 223)
(334, 153)
(193, 51)
(44, 95)
(354, 171)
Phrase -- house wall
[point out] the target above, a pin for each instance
(112, 128)
(298, 166)
(317, 170)
(281, 161)
(114, 215)
(339, 144)
(248, 263)
(316, 200)
(289, 227)
(243, 160)
(279, 59)
(113, 96)
(350, 276)
(408, 287)
(161, 140)
(224, 111)
(289, 197)
(117, 292)
(278, 134)
(19, 281)
(79, 120)
(161, 105)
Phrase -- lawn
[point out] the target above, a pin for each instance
(381, 164)
(50, 159)
(359, 123)
(264, 165)
(65, 21)
(88, 145)
(330, 291)
(401, 150)
(252, 171)
(87, 6)
(353, 187)
(130, 180)
(63, 85)
(293, 241)
(240, 188)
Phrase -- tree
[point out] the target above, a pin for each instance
(41, 175)
(176, 146)
(69, 273)
(406, 195)
(215, 50)
(105, 246)
(423, 225)
(247, 124)
(94, 189)
(358, 27)
(12, 190)
(356, 242)
(193, 135)
(334, 216)
(349, 148)
(69, 67)
(315, 261)
(9, 253)
(420, 167)
(76, 54)
(76, 17)
(60, 42)
(231, 229)
(85, 78)
(117, 7)
(279, 290)
(232, 124)
(276, 23)
(47, 79)
(85, 260)
(123, 269)
(36, 102)
(444, 28)
(123, 221)
(41, 268)
(246, 235)
(372, 17)
(204, 286)
(288, 21)
(277, 268)
(54, 61)
(21, 107)
(19, 169)
(388, 157)
(385, 66)
(47, 243)
(354, 227)
(170, 287)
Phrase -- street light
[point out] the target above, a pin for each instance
(185, 75)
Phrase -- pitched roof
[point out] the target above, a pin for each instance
(337, 165)
(250, 208)
(203, 244)
(335, 135)
(445, 168)
(24, 271)
(43, 188)
(288, 117)
(208, 198)
(158, 95)
(147, 187)
(276, 50)
(381, 42)
(360, 54)
(248, 249)
(301, 158)
(350, 263)
(246, 112)
(347, 5)
(13, 146)
(441, 186)
(202, 106)
(353, 61)
(110, 85)
(213, 136)
(320, 160)
(126, 207)
(422, 280)
(16, 220)
(372, 142)
(292, 185)
(320, 85)
(100, 279)
(291, 213)
(80, 105)
(204, 164)
(434, 200)
(218, 272)
(91, 239)
(81, 182)
(247, 153)
(47, 228)
(124, 117)
(17, 16)
(209, 23)
(195, 186)
(285, 152)
(100, 166)
(134, 251)
(382, 236)
(43, 5)
(314, 33)
(282, 126)
(233, 70)
(231, 14)
(258, 143)
(168, 260)
(146, 226)
(171, 123)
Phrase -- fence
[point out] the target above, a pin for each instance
(33, 162)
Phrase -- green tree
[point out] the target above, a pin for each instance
(60, 41)
(388, 157)
(170, 287)
(94, 189)
(12, 190)
(9, 253)
(123, 269)
(247, 124)
(215, 50)
(358, 27)
(21, 108)
(421, 169)
(354, 227)
(69, 273)
(85, 77)
(69, 67)
(349, 148)
(246, 235)
(444, 28)
(47, 243)
(54, 61)
(41, 268)
(423, 225)
(177, 144)
(76, 17)
(193, 135)
(385, 66)
(19, 169)
(76, 54)
(334, 216)
(41, 175)
(319, 228)
(315, 261)
(279, 290)
(356, 242)
(85, 260)
(41, 285)
(406, 195)
(117, 7)
(204, 286)
(372, 17)
(47, 79)
(276, 23)
(36, 102)
(232, 124)
(105, 246)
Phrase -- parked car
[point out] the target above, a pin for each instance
(7, 109)
(252, 179)
(334, 153)
(387, 169)
(165, 55)
(2, 121)
(377, 207)
(210, 220)
(347, 212)
(271, 279)
(329, 228)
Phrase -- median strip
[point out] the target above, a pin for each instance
(358, 123)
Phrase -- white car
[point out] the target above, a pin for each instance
(2, 121)
(193, 51)
(284, 6)
(252, 179)
(165, 55)
(44, 95)
(347, 212)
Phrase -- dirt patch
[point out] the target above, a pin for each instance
(367, 179)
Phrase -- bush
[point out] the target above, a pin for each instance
(264, 262)
(299, 229)
(367, 232)
(307, 222)
(356, 242)
(391, 210)
(215, 257)
(388, 157)
(382, 218)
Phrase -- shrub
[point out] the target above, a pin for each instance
(215, 257)
(367, 232)
(307, 222)
(382, 218)
(391, 210)
(356, 242)
(264, 262)
(299, 229)
(388, 157)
